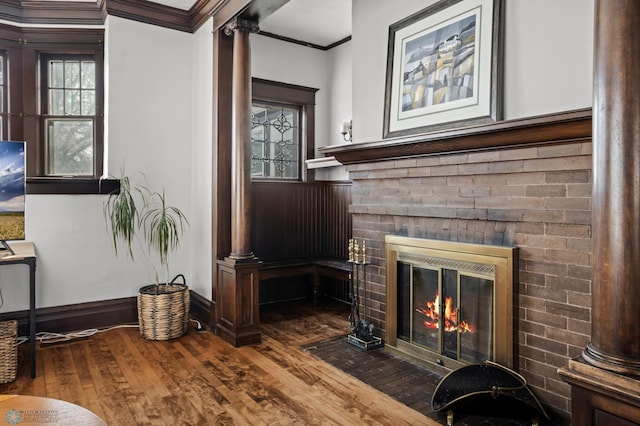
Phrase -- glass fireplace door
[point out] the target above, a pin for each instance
(446, 311)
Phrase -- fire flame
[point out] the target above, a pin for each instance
(432, 314)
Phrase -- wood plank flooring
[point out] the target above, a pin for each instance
(199, 379)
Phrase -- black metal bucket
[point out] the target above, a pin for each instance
(487, 389)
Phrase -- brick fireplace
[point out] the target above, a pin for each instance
(521, 183)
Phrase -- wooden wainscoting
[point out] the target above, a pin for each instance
(297, 220)
(300, 234)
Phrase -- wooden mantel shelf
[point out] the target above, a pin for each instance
(557, 128)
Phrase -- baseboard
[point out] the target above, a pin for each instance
(202, 310)
(100, 314)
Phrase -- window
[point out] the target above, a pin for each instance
(275, 141)
(52, 92)
(282, 130)
(69, 114)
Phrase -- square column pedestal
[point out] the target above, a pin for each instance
(237, 310)
(600, 397)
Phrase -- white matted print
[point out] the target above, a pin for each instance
(443, 68)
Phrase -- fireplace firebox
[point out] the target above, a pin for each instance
(450, 304)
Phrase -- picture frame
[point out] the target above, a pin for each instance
(444, 68)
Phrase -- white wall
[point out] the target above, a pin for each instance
(290, 63)
(285, 62)
(339, 88)
(548, 58)
(339, 92)
(148, 117)
(201, 176)
(150, 120)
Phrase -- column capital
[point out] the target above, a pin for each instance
(241, 24)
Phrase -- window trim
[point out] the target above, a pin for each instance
(4, 107)
(45, 113)
(24, 47)
(303, 98)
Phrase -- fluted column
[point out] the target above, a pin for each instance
(615, 317)
(241, 139)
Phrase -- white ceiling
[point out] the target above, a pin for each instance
(320, 22)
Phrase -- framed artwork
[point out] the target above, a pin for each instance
(444, 68)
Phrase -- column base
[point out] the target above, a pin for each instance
(600, 359)
(237, 311)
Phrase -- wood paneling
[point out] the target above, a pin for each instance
(566, 127)
(301, 220)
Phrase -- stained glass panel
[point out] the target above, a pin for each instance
(275, 141)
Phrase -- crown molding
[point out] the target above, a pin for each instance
(150, 13)
(80, 13)
(52, 12)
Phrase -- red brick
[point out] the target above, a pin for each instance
(568, 203)
(569, 311)
(568, 176)
(546, 319)
(546, 190)
(568, 230)
(578, 217)
(520, 153)
(581, 327)
(570, 257)
(573, 285)
(515, 166)
(564, 150)
(568, 337)
(546, 344)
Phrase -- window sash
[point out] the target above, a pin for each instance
(69, 115)
(70, 146)
(275, 141)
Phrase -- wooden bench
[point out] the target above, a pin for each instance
(315, 268)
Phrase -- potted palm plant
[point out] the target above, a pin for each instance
(136, 213)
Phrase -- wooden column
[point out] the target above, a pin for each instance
(615, 318)
(241, 139)
(605, 389)
(237, 314)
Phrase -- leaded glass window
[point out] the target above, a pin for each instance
(70, 116)
(275, 141)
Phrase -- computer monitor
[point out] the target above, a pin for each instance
(12, 193)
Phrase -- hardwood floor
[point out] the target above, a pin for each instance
(199, 379)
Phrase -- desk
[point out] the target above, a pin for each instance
(19, 409)
(25, 253)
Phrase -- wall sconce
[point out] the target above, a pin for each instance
(346, 131)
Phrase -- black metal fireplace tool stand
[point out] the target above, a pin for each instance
(361, 330)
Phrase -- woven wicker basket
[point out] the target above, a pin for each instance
(163, 310)
(8, 351)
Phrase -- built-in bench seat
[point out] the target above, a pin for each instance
(315, 268)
